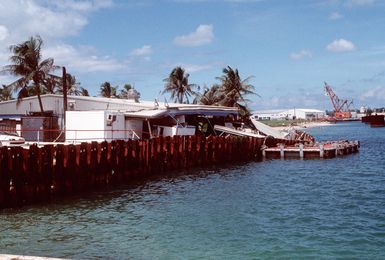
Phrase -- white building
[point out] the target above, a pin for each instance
(295, 113)
(97, 118)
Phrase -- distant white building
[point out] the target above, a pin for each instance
(295, 113)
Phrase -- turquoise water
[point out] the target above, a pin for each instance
(331, 208)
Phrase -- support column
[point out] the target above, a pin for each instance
(301, 155)
(282, 151)
(321, 151)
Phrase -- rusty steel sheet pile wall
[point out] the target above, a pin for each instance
(38, 174)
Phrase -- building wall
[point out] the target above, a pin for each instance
(75, 103)
(134, 128)
(291, 113)
(85, 127)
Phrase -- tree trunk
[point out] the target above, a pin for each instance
(38, 97)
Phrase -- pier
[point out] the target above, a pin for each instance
(318, 150)
(38, 174)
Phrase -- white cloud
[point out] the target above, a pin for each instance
(45, 20)
(53, 21)
(229, 1)
(275, 101)
(243, 1)
(301, 55)
(83, 6)
(359, 2)
(335, 16)
(377, 93)
(297, 98)
(49, 19)
(3, 32)
(191, 68)
(341, 45)
(145, 50)
(82, 59)
(202, 35)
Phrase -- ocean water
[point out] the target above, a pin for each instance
(332, 208)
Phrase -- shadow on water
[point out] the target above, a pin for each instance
(137, 186)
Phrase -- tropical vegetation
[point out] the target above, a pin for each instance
(35, 76)
(230, 92)
(124, 93)
(178, 86)
(108, 91)
(5, 93)
(234, 89)
(27, 64)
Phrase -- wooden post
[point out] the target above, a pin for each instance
(18, 178)
(301, 155)
(103, 164)
(59, 175)
(113, 160)
(214, 149)
(32, 176)
(120, 151)
(321, 151)
(94, 163)
(188, 151)
(64, 79)
(5, 177)
(84, 177)
(47, 173)
(197, 152)
(335, 146)
(282, 151)
(71, 171)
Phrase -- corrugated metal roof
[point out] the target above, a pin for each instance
(146, 113)
(153, 113)
(132, 108)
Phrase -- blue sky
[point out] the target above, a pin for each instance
(289, 47)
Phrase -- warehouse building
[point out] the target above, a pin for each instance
(295, 113)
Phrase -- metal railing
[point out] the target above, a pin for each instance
(77, 135)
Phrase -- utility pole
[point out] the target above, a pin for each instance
(64, 78)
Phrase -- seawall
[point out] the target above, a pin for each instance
(38, 174)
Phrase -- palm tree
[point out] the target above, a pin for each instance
(124, 92)
(73, 87)
(27, 64)
(84, 92)
(28, 91)
(51, 85)
(211, 96)
(234, 89)
(5, 93)
(177, 84)
(106, 90)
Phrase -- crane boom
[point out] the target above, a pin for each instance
(341, 106)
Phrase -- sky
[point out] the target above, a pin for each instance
(288, 48)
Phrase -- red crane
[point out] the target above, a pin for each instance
(341, 106)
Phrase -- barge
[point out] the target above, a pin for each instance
(323, 150)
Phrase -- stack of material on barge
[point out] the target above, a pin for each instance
(293, 143)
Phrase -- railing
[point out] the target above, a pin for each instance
(77, 135)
